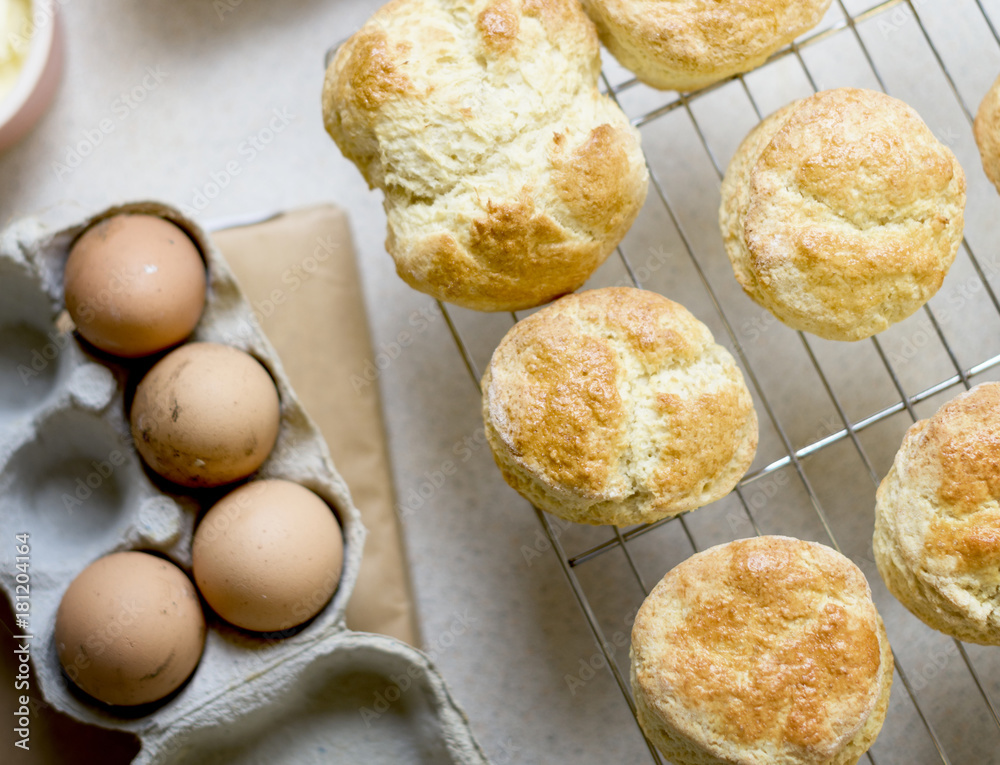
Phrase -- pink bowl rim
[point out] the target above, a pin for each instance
(42, 41)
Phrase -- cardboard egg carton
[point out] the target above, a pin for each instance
(71, 479)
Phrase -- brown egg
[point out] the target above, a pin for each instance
(134, 285)
(130, 629)
(205, 415)
(268, 556)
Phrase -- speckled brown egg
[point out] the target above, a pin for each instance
(205, 415)
(134, 285)
(130, 629)
(268, 556)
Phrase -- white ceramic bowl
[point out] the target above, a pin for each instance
(39, 79)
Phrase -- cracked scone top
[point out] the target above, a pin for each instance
(688, 44)
(617, 406)
(842, 213)
(761, 651)
(508, 178)
(937, 518)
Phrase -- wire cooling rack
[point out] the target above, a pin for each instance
(832, 414)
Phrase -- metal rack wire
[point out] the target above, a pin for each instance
(848, 430)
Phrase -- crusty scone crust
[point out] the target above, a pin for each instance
(688, 44)
(987, 130)
(508, 178)
(805, 677)
(937, 519)
(617, 406)
(842, 213)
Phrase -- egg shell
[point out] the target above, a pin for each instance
(130, 629)
(134, 285)
(268, 556)
(205, 415)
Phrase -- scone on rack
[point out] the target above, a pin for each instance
(689, 44)
(761, 651)
(616, 406)
(508, 178)
(842, 213)
(987, 130)
(937, 518)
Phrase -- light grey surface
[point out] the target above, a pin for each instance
(499, 619)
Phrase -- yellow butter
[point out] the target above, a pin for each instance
(15, 37)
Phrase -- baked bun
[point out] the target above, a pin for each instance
(690, 44)
(508, 177)
(617, 406)
(842, 213)
(937, 518)
(987, 129)
(761, 651)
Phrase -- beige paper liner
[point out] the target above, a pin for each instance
(299, 273)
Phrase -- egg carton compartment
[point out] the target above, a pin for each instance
(34, 363)
(77, 481)
(71, 478)
(360, 698)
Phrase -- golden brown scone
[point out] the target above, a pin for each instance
(842, 213)
(987, 129)
(761, 651)
(617, 406)
(937, 518)
(508, 178)
(689, 44)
